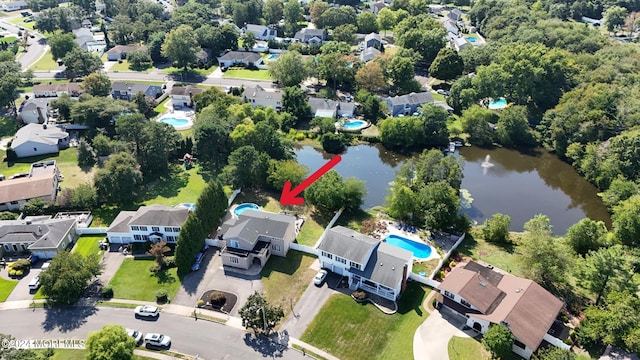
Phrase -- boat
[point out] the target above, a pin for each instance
(452, 147)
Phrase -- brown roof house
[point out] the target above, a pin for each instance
(486, 297)
(41, 182)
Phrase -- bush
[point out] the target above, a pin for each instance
(333, 143)
(162, 296)
(15, 273)
(217, 298)
(169, 262)
(141, 248)
(440, 274)
(107, 292)
(200, 303)
(22, 264)
(452, 264)
(359, 295)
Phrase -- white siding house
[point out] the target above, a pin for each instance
(149, 223)
(42, 237)
(36, 139)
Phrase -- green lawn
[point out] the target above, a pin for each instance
(285, 279)
(6, 287)
(8, 126)
(134, 281)
(191, 72)
(160, 108)
(46, 62)
(466, 348)
(88, 244)
(178, 187)
(124, 66)
(438, 97)
(18, 21)
(503, 257)
(8, 39)
(247, 74)
(349, 330)
(79, 354)
(426, 266)
(311, 230)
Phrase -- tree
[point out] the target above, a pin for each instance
(371, 107)
(330, 193)
(11, 79)
(154, 45)
(386, 20)
(614, 18)
(145, 105)
(67, 277)
(97, 84)
(84, 197)
(118, 181)
(345, 33)
(289, 69)
(101, 144)
(619, 190)
(294, 102)
(367, 22)
(88, 6)
(110, 343)
(158, 251)
(317, 9)
(272, 11)
(498, 340)
(79, 63)
(247, 167)
(260, 316)
(401, 72)
(13, 353)
(496, 229)
(283, 171)
(513, 129)
(626, 223)
(554, 353)
(157, 141)
(181, 46)
(475, 122)
(63, 104)
(544, 260)
(586, 235)
(139, 59)
(437, 206)
(334, 17)
(61, 44)
(292, 14)
(605, 270)
(248, 40)
(36, 206)
(371, 77)
(447, 65)
(86, 154)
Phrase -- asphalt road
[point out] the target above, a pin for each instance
(207, 339)
(37, 46)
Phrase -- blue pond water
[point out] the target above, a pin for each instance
(420, 251)
(244, 207)
(354, 124)
(498, 104)
(175, 121)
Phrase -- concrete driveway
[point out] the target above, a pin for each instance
(431, 340)
(310, 304)
(211, 276)
(21, 291)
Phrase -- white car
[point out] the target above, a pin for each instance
(157, 341)
(319, 278)
(136, 335)
(147, 311)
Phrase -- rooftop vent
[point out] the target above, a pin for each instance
(381, 264)
(393, 268)
(482, 284)
(518, 290)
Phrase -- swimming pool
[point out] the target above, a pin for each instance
(273, 57)
(498, 104)
(190, 206)
(175, 122)
(420, 251)
(472, 39)
(352, 125)
(244, 207)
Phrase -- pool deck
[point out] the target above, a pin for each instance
(392, 229)
(178, 114)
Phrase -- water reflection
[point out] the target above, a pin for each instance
(519, 185)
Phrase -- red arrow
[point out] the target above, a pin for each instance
(289, 197)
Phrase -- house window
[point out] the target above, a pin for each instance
(137, 237)
(135, 228)
(176, 229)
(171, 238)
(234, 243)
(168, 229)
(234, 260)
(519, 344)
(35, 149)
(6, 247)
(354, 265)
(14, 203)
(276, 248)
(327, 255)
(155, 228)
(143, 228)
(341, 260)
(465, 303)
(145, 237)
(448, 294)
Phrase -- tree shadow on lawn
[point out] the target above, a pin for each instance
(167, 185)
(287, 265)
(164, 277)
(411, 299)
(258, 197)
(65, 319)
(264, 345)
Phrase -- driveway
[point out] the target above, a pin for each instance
(212, 276)
(111, 260)
(431, 340)
(310, 304)
(21, 291)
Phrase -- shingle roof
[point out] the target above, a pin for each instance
(121, 223)
(26, 188)
(185, 90)
(134, 88)
(372, 36)
(125, 48)
(159, 215)
(369, 54)
(413, 98)
(328, 104)
(34, 103)
(251, 224)
(70, 87)
(240, 56)
(386, 265)
(259, 93)
(39, 134)
(348, 244)
(44, 234)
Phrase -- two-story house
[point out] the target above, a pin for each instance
(149, 223)
(483, 297)
(261, 32)
(254, 235)
(408, 104)
(311, 36)
(43, 237)
(126, 90)
(368, 263)
(181, 96)
(257, 96)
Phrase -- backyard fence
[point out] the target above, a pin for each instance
(91, 231)
(424, 280)
(304, 248)
(329, 226)
(446, 256)
(233, 196)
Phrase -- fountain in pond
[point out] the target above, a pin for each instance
(486, 164)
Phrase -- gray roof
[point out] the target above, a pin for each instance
(372, 36)
(119, 49)
(413, 98)
(251, 224)
(379, 5)
(133, 88)
(44, 234)
(240, 56)
(348, 244)
(159, 215)
(185, 90)
(386, 265)
(328, 104)
(121, 223)
(39, 134)
(369, 54)
(259, 93)
(309, 33)
(455, 14)
(34, 103)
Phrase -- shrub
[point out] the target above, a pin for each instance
(162, 296)
(141, 248)
(22, 264)
(359, 295)
(169, 262)
(440, 274)
(217, 298)
(200, 303)
(107, 292)
(452, 264)
(48, 353)
(333, 143)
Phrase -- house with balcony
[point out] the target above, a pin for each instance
(483, 296)
(43, 237)
(408, 104)
(149, 223)
(257, 96)
(253, 236)
(369, 264)
(41, 182)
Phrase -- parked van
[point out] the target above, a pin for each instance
(34, 284)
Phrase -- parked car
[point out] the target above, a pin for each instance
(136, 335)
(45, 266)
(443, 92)
(196, 263)
(34, 259)
(157, 341)
(320, 277)
(34, 284)
(147, 311)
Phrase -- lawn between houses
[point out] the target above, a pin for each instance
(88, 245)
(6, 287)
(134, 281)
(350, 330)
(467, 348)
(78, 354)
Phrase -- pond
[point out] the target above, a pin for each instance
(514, 184)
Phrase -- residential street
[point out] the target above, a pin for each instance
(207, 339)
(37, 47)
